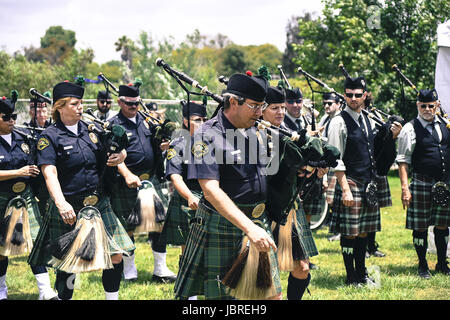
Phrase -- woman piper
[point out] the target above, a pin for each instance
(72, 159)
(298, 245)
(16, 192)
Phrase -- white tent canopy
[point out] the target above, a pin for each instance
(442, 75)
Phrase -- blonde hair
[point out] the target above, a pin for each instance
(59, 104)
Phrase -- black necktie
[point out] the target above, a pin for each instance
(434, 132)
(298, 123)
(361, 124)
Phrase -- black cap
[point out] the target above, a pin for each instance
(427, 95)
(330, 96)
(355, 83)
(128, 91)
(67, 89)
(293, 94)
(193, 108)
(7, 106)
(103, 95)
(275, 95)
(247, 86)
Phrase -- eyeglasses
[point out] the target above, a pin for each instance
(291, 101)
(424, 106)
(8, 117)
(131, 103)
(357, 95)
(257, 107)
(106, 101)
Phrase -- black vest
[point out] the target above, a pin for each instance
(358, 155)
(429, 156)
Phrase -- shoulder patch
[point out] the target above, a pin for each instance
(43, 143)
(171, 153)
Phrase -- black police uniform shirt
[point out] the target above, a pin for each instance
(14, 156)
(77, 158)
(140, 155)
(177, 162)
(241, 179)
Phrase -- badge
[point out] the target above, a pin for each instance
(171, 153)
(25, 148)
(18, 187)
(42, 144)
(90, 200)
(144, 176)
(199, 149)
(258, 210)
(146, 124)
(93, 137)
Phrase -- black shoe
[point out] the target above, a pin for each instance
(376, 253)
(366, 281)
(424, 272)
(443, 268)
(351, 281)
(312, 266)
(130, 280)
(167, 279)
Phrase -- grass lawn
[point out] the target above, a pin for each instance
(397, 271)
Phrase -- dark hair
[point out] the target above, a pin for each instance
(368, 100)
(226, 100)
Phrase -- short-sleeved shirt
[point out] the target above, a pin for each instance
(140, 155)
(177, 161)
(77, 158)
(14, 156)
(231, 161)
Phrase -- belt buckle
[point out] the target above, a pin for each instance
(144, 176)
(90, 200)
(18, 187)
(258, 210)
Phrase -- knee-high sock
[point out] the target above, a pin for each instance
(420, 240)
(441, 241)
(371, 245)
(3, 266)
(64, 285)
(296, 287)
(360, 255)
(348, 255)
(111, 277)
(157, 244)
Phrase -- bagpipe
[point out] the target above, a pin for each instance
(440, 191)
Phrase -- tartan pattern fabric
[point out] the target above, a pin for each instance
(384, 192)
(357, 219)
(176, 225)
(422, 212)
(34, 216)
(123, 200)
(313, 204)
(211, 249)
(302, 235)
(53, 227)
(331, 187)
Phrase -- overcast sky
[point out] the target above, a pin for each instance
(98, 24)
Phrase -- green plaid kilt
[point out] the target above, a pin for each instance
(211, 249)
(422, 212)
(176, 225)
(359, 218)
(331, 186)
(34, 217)
(313, 203)
(384, 192)
(302, 236)
(53, 227)
(162, 190)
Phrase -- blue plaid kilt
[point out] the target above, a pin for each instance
(422, 212)
(176, 225)
(53, 226)
(34, 216)
(212, 247)
(359, 218)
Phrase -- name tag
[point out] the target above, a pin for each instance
(129, 134)
(68, 148)
(235, 152)
(2, 157)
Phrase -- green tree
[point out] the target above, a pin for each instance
(58, 33)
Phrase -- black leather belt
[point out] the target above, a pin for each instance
(83, 200)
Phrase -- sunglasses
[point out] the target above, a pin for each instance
(8, 117)
(131, 103)
(294, 101)
(106, 101)
(424, 106)
(357, 95)
(327, 104)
